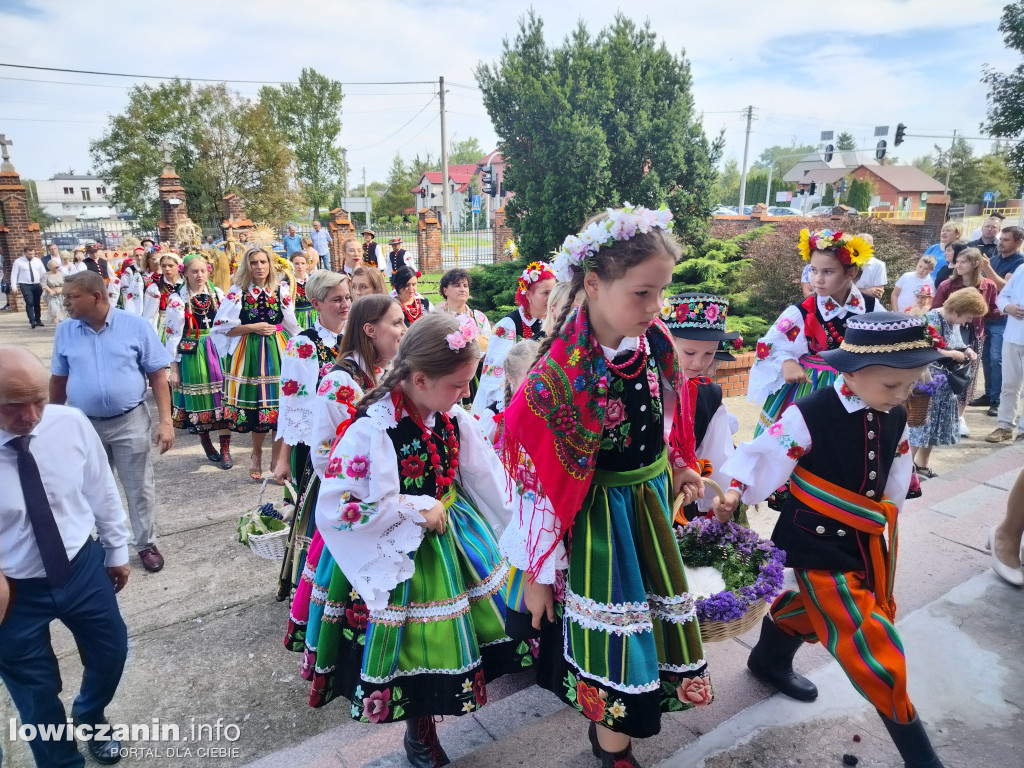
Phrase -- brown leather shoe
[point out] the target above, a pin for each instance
(151, 558)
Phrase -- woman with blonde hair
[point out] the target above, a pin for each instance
(252, 326)
(366, 281)
(950, 233)
(154, 305)
(53, 287)
(351, 256)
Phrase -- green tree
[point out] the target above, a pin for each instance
(858, 195)
(1005, 116)
(966, 180)
(36, 213)
(845, 142)
(397, 193)
(595, 122)
(309, 114)
(781, 156)
(829, 196)
(925, 163)
(220, 143)
(757, 185)
(727, 185)
(464, 152)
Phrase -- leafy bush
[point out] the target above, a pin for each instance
(493, 290)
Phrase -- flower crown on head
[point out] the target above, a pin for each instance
(849, 249)
(466, 333)
(621, 224)
(535, 272)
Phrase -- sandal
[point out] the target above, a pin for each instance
(256, 465)
(926, 472)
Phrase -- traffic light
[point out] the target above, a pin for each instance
(487, 185)
(810, 191)
(901, 130)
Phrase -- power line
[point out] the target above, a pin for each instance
(387, 138)
(47, 120)
(200, 79)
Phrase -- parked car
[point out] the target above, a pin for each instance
(723, 210)
(63, 242)
(126, 216)
(820, 210)
(778, 210)
(95, 213)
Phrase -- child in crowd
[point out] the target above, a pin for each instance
(943, 424)
(305, 314)
(585, 444)
(526, 322)
(410, 516)
(697, 323)
(789, 364)
(874, 275)
(922, 302)
(845, 451)
(517, 364)
(905, 292)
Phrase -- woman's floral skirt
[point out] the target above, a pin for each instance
(197, 401)
(252, 383)
(627, 644)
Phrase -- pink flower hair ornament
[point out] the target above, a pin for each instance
(467, 332)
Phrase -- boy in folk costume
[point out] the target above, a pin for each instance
(846, 453)
(697, 323)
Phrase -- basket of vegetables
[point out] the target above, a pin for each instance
(264, 529)
(733, 573)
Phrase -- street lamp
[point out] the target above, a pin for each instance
(771, 169)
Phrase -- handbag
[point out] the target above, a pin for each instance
(958, 375)
(189, 346)
(5, 287)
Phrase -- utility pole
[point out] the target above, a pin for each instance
(746, 149)
(445, 202)
(344, 168)
(366, 201)
(949, 160)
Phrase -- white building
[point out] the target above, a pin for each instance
(66, 195)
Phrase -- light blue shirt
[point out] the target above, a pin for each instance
(938, 252)
(292, 243)
(107, 371)
(321, 242)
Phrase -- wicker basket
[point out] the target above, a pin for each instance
(718, 631)
(269, 546)
(917, 410)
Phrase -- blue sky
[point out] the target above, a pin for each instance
(806, 69)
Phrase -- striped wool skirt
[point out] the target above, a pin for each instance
(819, 375)
(197, 402)
(627, 645)
(252, 382)
(305, 315)
(440, 640)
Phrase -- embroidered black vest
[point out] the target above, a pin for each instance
(416, 476)
(853, 450)
(396, 259)
(203, 307)
(535, 327)
(324, 354)
(263, 309)
(633, 434)
(301, 302)
(370, 254)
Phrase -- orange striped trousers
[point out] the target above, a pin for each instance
(838, 610)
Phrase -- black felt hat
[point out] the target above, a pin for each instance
(883, 338)
(699, 316)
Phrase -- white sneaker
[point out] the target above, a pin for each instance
(965, 431)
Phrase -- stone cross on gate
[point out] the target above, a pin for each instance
(4, 144)
(165, 147)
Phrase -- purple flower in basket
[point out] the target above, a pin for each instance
(737, 551)
(930, 388)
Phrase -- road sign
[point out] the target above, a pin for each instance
(989, 197)
(476, 203)
(881, 130)
(783, 197)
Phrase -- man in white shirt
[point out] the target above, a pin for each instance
(873, 278)
(57, 488)
(26, 273)
(1011, 303)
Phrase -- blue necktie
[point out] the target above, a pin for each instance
(51, 546)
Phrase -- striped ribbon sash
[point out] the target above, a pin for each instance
(860, 513)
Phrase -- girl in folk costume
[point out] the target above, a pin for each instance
(308, 357)
(414, 306)
(518, 362)
(556, 300)
(398, 258)
(131, 283)
(585, 442)
(454, 287)
(367, 280)
(154, 305)
(697, 323)
(845, 452)
(788, 363)
(410, 514)
(196, 378)
(305, 313)
(351, 256)
(321, 617)
(252, 326)
(535, 285)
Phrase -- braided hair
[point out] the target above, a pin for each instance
(424, 349)
(611, 262)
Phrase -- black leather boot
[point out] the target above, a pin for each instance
(211, 452)
(912, 742)
(623, 759)
(421, 744)
(771, 661)
(225, 452)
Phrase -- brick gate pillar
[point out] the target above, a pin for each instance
(428, 241)
(18, 233)
(173, 203)
(341, 229)
(501, 233)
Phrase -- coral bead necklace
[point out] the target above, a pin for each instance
(444, 478)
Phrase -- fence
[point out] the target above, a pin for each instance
(108, 233)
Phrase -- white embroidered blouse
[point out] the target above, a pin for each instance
(371, 527)
(301, 371)
(229, 316)
(174, 321)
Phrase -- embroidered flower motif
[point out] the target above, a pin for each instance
(711, 312)
(652, 382)
(846, 392)
(499, 332)
(289, 387)
(763, 350)
(345, 394)
(357, 616)
(358, 466)
(682, 311)
(830, 305)
(375, 706)
(776, 429)
(563, 419)
(333, 467)
(614, 413)
(350, 513)
(854, 301)
(795, 451)
(792, 333)
(480, 688)
(903, 448)
(305, 351)
(695, 690)
(591, 701)
(617, 710)
(784, 325)
(412, 466)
